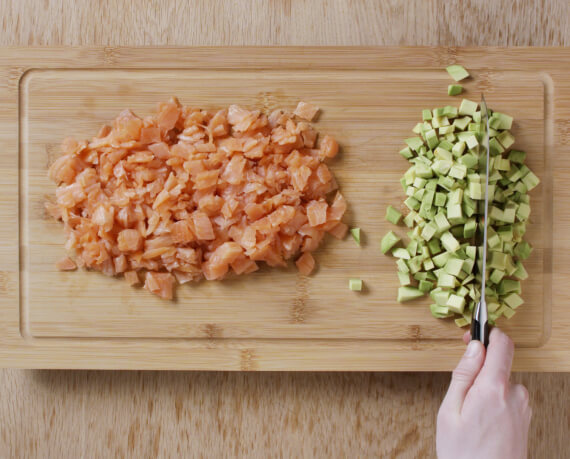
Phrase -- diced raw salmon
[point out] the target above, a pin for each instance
(305, 263)
(66, 264)
(160, 284)
(306, 111)
(189, 193)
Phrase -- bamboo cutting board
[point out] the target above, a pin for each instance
(273, 319)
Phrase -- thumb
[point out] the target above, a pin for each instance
(464, 375)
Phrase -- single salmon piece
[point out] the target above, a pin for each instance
(132, 278)
(305, 264)
(129, 240)
(66, 264)
(317, 212)
(306, 111)
(160, 284)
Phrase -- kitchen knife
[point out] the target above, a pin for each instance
(480, 320)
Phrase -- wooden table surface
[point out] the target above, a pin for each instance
(149, 414)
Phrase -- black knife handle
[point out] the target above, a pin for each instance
(480, 331)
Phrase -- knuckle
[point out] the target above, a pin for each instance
(522, 393)
(462, 373)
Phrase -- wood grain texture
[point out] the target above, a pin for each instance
(47, 413)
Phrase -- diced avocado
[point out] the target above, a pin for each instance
(414, 143)
(468, 107)
(516, 156)
(456, 303)
(404, 278)
(402, 253)
(496, 276)
(461, 322)
(521, 272)
(446, 281)
(355, 285)
(457, 72)
(500, 121)
(402, 266)
(406, 153)
(453, 266)
(509, 286)
(530, 180)
(408, 293)
(449, 242)
(389, 241)
(425, 286)
(454, 89)
(513, 300)
(355, 232)
(392, 215)
(497, 260)
(426, 115)
(523, 250)
(506, 139)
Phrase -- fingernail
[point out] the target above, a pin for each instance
(473, 349)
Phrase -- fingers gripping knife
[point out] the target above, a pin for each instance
(479, 321)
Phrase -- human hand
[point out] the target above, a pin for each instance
(483, 415)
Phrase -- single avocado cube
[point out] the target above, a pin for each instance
(477, 116)
(402, 266)
(471, 251)
(454, 211)
(441, 222)
(498, 260)
(516, 156)
(446, 281)
(431, 139)
(454, 89)
(441, 153)
(509, 286)
(423, 170)
(439, 312)
(462, 123)
(506, 138)
(523, 250)
(461, 322)
(417, 128)
(457, 72)
(444, 130)
(355, 285)
(472, 142)
(440, 121)
(513, 300)
(425, 286)
(449, 242)
(467, 107)
(440, 199)
(468, 265)
(521, 272)
(404, 278)
(437, 112)
(415, 264)
(402, 253)
(406, 153)
(458, 171)
(456, 303)
(426, 115)
(429, 231)
(355, 232)
(409, 219)
(508, 312)
(453, 266)
(495, 148)
(469, 228)
(392, 215)
(414, 143)
(389, 241)
(458, 149)
(408, 294)
(496, 276)
(412, 203)
(500, 121)
(450, 111)
(428, 264)
(530, 180)
(434, 247)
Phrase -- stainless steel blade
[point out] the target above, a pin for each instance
(480, 327)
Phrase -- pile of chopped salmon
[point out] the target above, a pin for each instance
(189, 194)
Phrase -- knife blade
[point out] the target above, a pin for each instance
(480, 319)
